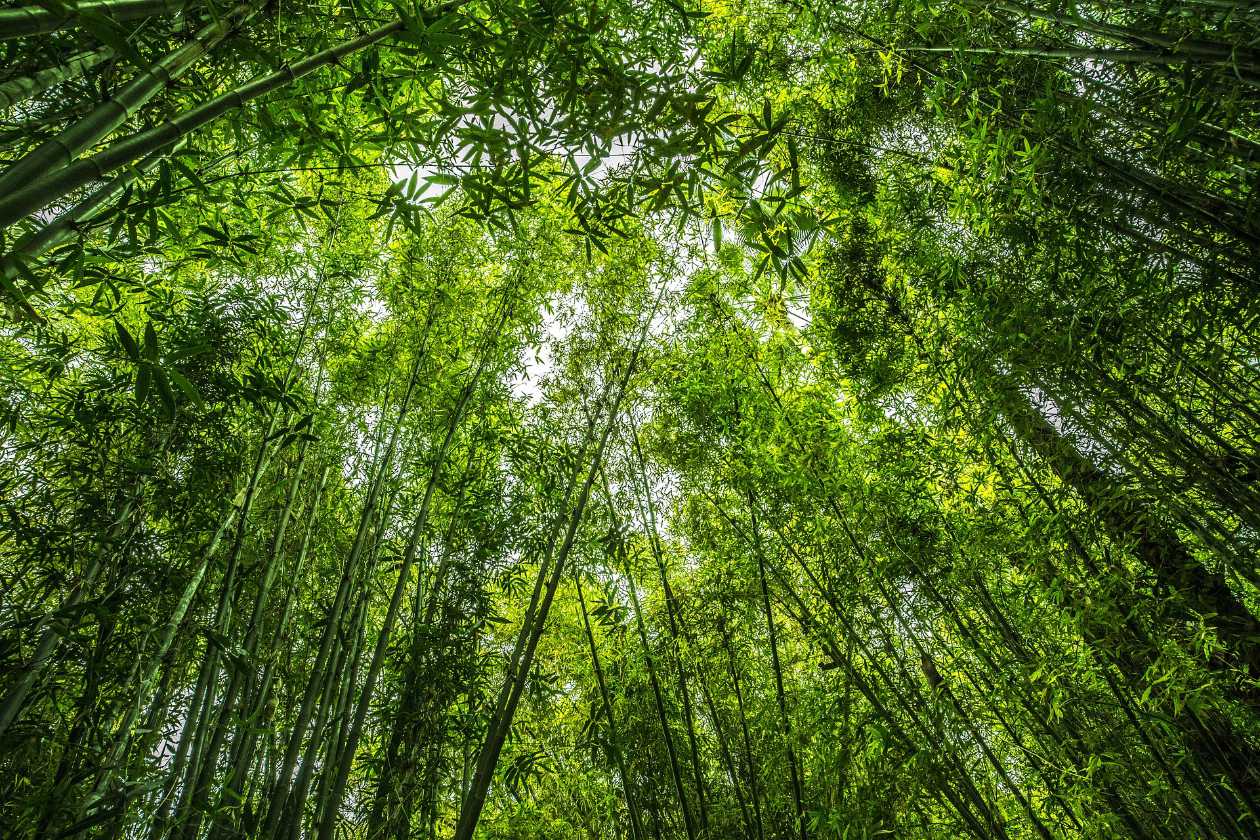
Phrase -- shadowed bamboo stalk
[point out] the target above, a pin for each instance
(51, 633)
(1195, 48)
(648, 514)
(21, 21)
(22, 88)
(61, 150)
(1130, 521)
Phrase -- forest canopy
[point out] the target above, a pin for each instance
(645, 419)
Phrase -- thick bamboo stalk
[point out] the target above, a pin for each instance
(22, 21)
(23, 88)
(76, 138)
(60, 230)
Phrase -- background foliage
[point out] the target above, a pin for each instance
(629, 419)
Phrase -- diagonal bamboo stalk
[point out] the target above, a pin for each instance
(21, 202)
(80, 136)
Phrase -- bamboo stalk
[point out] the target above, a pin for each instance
(20, 202)
(785, 722)
(23, 88)
(22, 21)
(648, 512)
(419, 524)
(234, 786)
(531, 632)
(658, 700)
(614, 736)
(60, 151)
(278, 800)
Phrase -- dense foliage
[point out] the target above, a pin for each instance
(630, 418)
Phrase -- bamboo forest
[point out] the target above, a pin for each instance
(629, 419)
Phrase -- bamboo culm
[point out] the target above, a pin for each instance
(60, 151)
(22, 21)
(21, 202)
(22, 88)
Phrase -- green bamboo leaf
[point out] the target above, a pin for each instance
(150, 350)
(129, 344)
(185, 387)
(144, 376)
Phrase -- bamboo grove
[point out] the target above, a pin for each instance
(661, 420)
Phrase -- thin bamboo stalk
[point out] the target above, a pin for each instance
(20, 202)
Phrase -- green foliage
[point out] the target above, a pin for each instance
(512, 419)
